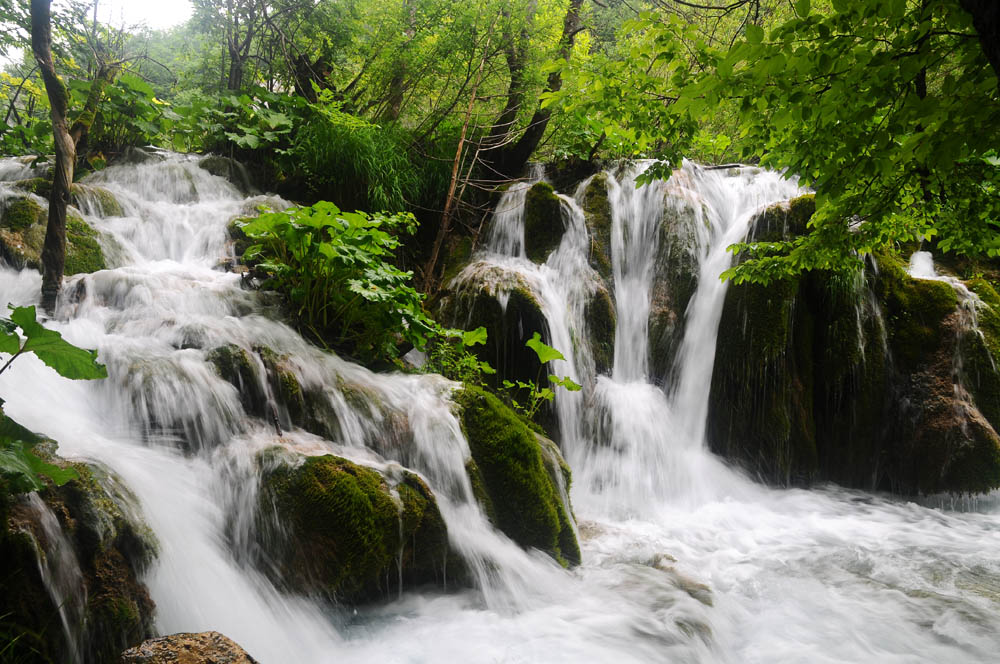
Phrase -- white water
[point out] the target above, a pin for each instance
(794, 576)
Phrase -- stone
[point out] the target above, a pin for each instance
(188, 648)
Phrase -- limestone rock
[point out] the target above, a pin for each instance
(188, 648)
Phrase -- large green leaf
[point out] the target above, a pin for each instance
(68, 360)
(545, 353)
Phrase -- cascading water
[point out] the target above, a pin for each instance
(683, 559)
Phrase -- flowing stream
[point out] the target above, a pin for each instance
(684, 560)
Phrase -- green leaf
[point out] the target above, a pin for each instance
(802, 7)
(754, 34)
(566, 382)
(473, 337)
(68, 360)
(545, 353)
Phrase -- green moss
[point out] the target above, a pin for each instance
(543, 225)
(38, 186)
(236, 367)
(21, 212)
(344, 527)
(459, 251)
(525, 499)
(761, 408)
(784, 221)
(83, 251)
(600, 317)
(915, 310)
(97, 200)
(597, 213)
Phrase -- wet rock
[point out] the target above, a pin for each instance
(597, 216)
(100, 520)
(188, 648)
(543, 222)
(236, 366)
(227, 168)
(518, 472)
(600, 318)
(22, 235)
(675, 280)
(95, 200)
(332, 526)
(504, 303)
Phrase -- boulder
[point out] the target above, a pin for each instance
(543, 222)
(188, 648)
(331, 526)
(597, 217)
(522, 473)
(229, 169)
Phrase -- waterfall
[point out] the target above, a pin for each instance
(683, 558)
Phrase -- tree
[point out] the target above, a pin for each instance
(65, 139)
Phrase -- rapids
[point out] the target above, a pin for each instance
(684, 559)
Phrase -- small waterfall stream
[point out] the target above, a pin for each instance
(683, 559)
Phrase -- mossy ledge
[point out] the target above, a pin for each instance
(340, 529)
(543, 224)
(516, 476)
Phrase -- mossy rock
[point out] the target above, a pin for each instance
(914, 310)
(566, 173)
(479, 301)
(95, 200)
(543, 223)
(113, 548)
(38, 186)
(980, 352)
(783, 221)
(517, 476)
(675, 280)
(761, 399)
(235, 365)
(228, 169)
(597, 215)
(20, 212)
(347, 534)
(601, 319)
(22, 245)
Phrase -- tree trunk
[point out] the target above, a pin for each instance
(54, 249)
(986, 19)
(66, 140)
(506, 162)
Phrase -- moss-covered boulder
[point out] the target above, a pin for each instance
(38, 186)
(332, 526)
(98, 519)
(22, 235)
(520, 474)
(784, 220)
(597, 216)
(875, 380)
(543, 222)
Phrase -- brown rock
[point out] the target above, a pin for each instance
(188, 648)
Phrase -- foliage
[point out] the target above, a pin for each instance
(449, 356)
(536, 395)
(18, 465)
(335, 268)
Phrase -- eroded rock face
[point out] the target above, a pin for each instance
(543, 223)
(337, 528)
(188, 648)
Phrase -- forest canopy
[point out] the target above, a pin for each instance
(887, 109)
